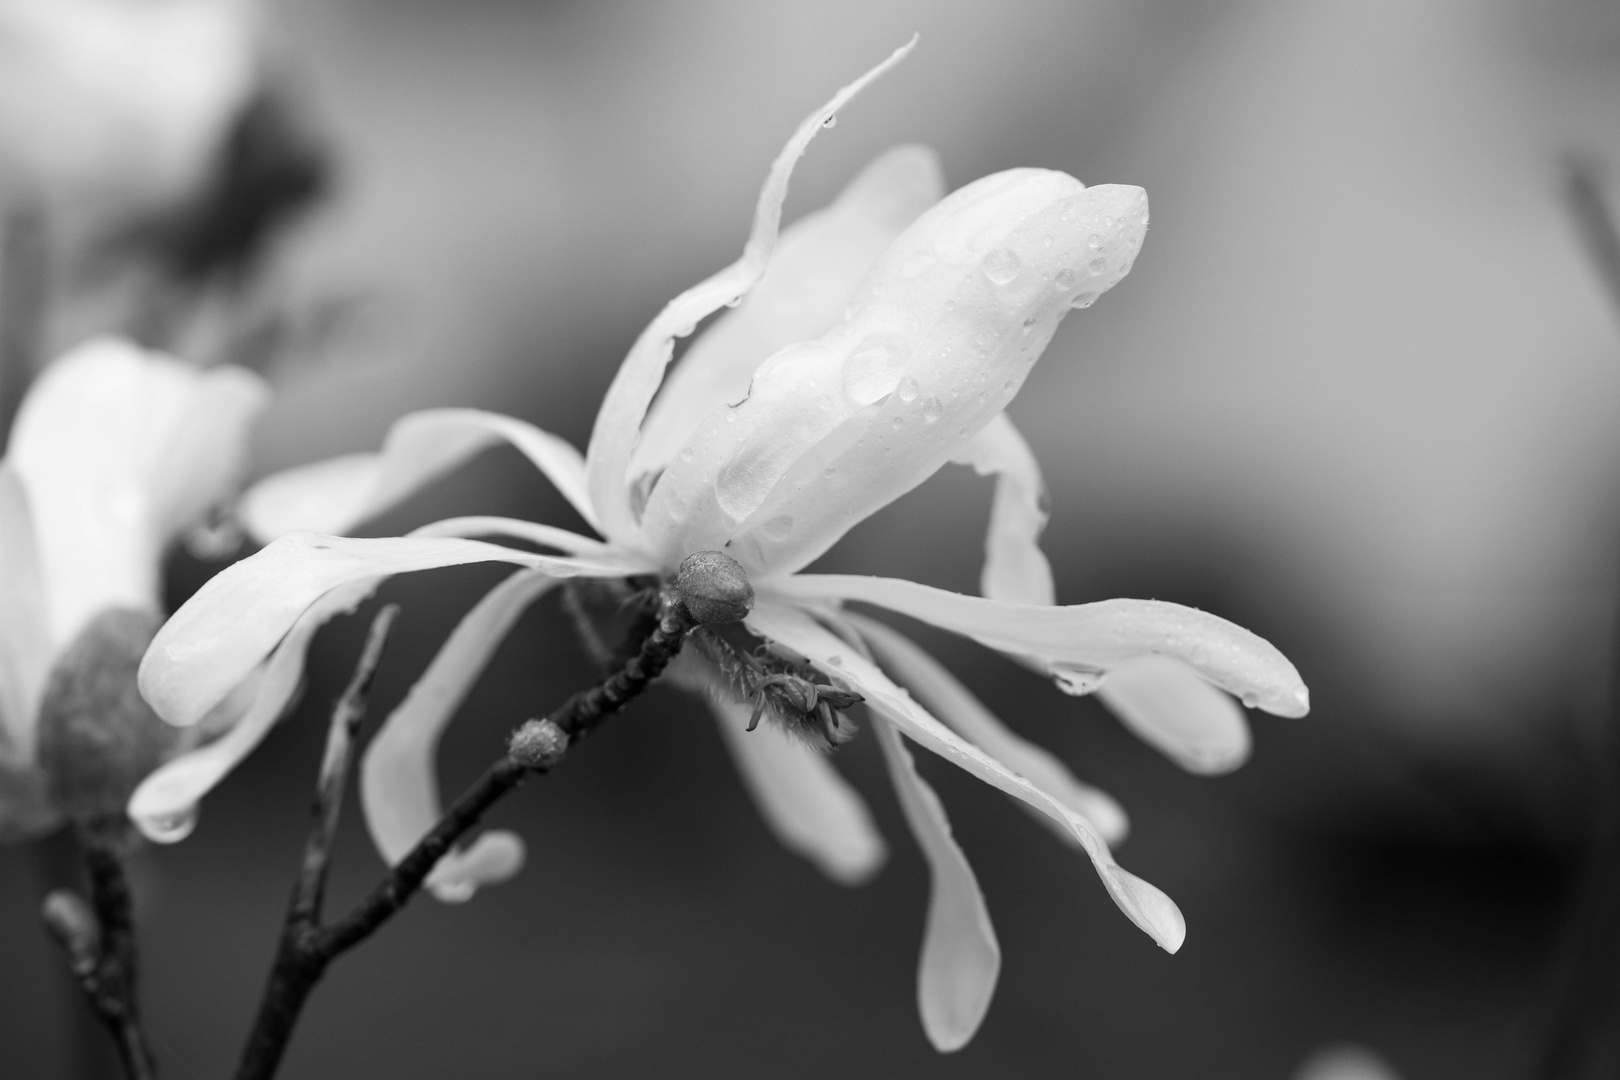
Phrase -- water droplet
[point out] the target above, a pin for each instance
(1001, 266)
(1007, 385)
(831, 121)
(899, 422)
(686, 453)
(1029, 324)
(731, 416)
(950, 305)
(734, 301)
(874, 369)
(778, 528)
(1079, 683)
(1200, 655)
(1047, 240)
(1064, 280)
(907, 389)
(836, 660)
(1094, 241)
(1097, 265)
(984, 395)
(829, 472)
(168, 828)
(1251, 700)
(933, 409)
(1085, 300)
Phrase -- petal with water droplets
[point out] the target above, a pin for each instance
(1015, 568)
(1170, 708)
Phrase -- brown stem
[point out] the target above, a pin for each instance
(307, 948)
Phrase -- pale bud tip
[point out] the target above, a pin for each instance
(538, 744)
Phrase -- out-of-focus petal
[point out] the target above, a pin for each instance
(938, 342)
(398, 787)
(25, 646)
(961, 960)
(563, 540)
(814, 271)
(241, 613)
(964, 714)
(1015, 568)
(1146, 906)
(164, 806)
(1171, 709)
(618, 423)
(1078, 643)
(1346, 1062)
(116, 446)
(811, 808)
(334, 496)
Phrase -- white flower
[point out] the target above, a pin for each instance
(114, 452)
(882, 340)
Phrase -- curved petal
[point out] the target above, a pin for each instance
(1151, 910)
(811, 808)
(1171, 709)
(1077, 643)
(25, 641)
(817, 265)
(964, 714)
(335, 495)
(164, 806)
(398, 787)
(241, 613)
(118, 448)
(563, 540)
(1015, 568)
(939, 340)
(961, 959)
(618, 423)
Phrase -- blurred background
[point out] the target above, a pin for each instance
(1359, 394)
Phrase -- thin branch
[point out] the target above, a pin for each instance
(537, 747)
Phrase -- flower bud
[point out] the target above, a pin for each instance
(98, 738)
(714, 588)
(74, 926)
(538, 744)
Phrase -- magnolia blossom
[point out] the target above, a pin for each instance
(114, 452)
(880, 340)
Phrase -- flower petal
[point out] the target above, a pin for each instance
(811, 808)
(1077, 643)
(961, 959)
(817, 265)
(938, 341)
(240, 614)
(1015, 569)
(964, 714)
(1151, 910)
(618, 423)
(119, 448)
(1171, 709)
(398, 787)
(517, 529)
(25, 645)
(335, 495)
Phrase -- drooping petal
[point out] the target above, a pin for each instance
(811, 808)
(398, 787)
(164, 806)
(1015, 568)
(945, 697)
(118, 449)
(618, 423)
(1078, 643)
(563, 540)
(335, 495)
(939, 339)
(1151, 910)
(240, 614)
(961, 960)
(25, 643)
(1171, 709)
(814, 271)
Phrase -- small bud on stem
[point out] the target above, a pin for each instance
(74, 926)
(538, 744)
(714, 588)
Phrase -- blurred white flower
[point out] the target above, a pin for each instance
(1345, 1062)
(894, 328)
(117, 106)
(114, 452)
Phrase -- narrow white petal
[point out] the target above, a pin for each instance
(563, 540)
(1171, 709)
(118, 447)
(938, 341)
(964, 714)
(814, 271)
(1077, 643)
(961, 960)
(240, 614)
(398, 787)
(811, 808)
(25, 641)
(164, 806)
(334, 496)
(618, 423)
(1150, 909)
(1015, 568)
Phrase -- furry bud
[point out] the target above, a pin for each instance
(74, 926)
(714, 588)
(538, 744)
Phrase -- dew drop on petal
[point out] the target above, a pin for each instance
(1001, 265)
(1029, 324)
(871, 373)
(1251, 700)
(1200, 655)
(1098, 265)
(932, 410)
(899, 422)
(169, 828)
(907, 389)
(1084, 300)
(1094, 240)
(1064, 280)
(831, 121)
(778, 528)
(686, 453)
